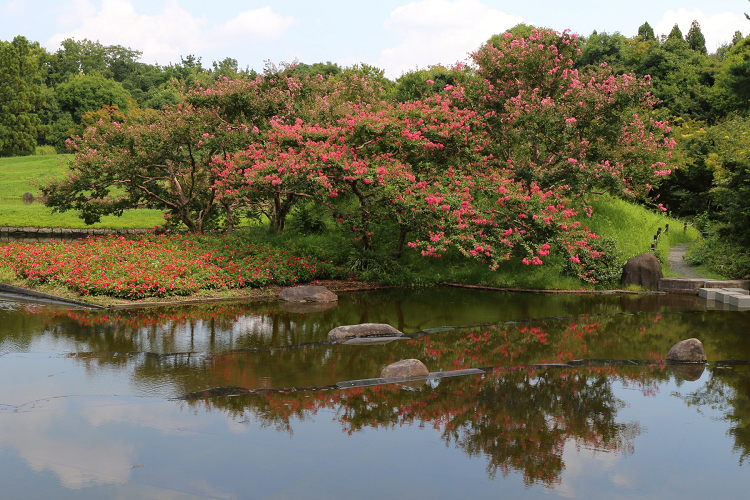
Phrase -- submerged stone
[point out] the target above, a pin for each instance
(343, 333)
(687, 351)
(307, 293)
(373, 340)
(406, 368)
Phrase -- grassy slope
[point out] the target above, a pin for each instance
(19, 175)
(631, 226)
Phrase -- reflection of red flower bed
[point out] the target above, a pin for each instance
(159, 266)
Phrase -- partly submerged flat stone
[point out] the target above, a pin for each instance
(722, 295)
(346, 332)
(307, 293)
(373, 340)
(741, 301)
(687, 351)
(406, 368)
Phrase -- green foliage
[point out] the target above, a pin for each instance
(309, 218)
(605, 269)
(601, 48)
(646, 32)
(687, 191)
(724, 257)
(419, 84)
(731, 166)
(84, 93)
(695, 39)
(20, 97)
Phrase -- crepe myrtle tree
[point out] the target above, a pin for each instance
(161, 161)
(419, 165)
(557, 127)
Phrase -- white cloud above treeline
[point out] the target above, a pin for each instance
(716, 28)
(163, 37)
(439, 32)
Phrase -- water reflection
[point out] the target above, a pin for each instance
(518, 423)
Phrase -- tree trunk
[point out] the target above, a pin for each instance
(403, 231)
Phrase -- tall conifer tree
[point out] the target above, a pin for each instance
(20, 98)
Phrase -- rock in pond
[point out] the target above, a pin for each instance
(307, 293)
(687, 351)
(406, 368)
(643, 270)
(343, 333)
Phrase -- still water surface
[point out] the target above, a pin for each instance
(93, 404)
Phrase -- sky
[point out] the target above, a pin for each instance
(395, 35)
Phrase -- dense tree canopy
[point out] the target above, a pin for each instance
(20, 97)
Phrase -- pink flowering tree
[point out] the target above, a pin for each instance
(557, 127)
(420, 165)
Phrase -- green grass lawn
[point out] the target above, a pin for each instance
(18, 174)
(21, 174)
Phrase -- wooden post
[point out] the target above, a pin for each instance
(666, 228)
(684, 228)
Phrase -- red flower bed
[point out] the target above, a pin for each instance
(158, 266)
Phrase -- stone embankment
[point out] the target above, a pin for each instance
(60, 232)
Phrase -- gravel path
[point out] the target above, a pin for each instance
(678, 264)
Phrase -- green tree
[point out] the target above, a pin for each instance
(675, 35)
(646, 32)
(84, 93)
(695, 38)
(20, 97)
(601, 48)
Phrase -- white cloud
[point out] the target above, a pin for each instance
(439, 32)
(260, 23)
(716, 28)
(15, 8)
(165, 36)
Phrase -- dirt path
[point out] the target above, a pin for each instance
(678, 264)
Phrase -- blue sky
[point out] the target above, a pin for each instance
(396, 35)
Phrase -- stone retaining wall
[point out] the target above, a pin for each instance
(691, 286)
(36, 232)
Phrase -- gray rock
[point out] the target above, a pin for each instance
(643, 270)
(687, 351)
(307, 293)
(28, 198)
(405, 368)
(343, 333)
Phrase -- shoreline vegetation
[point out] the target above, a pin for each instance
(510, 172)
(204, 268)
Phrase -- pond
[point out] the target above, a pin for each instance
(249, 401)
